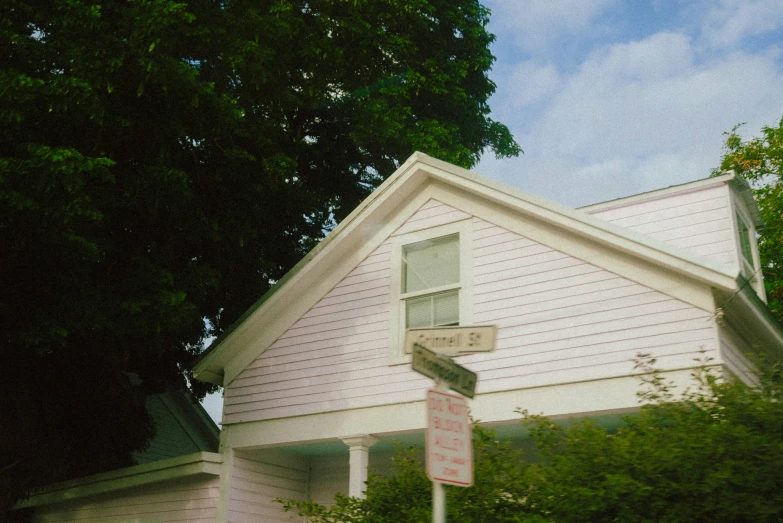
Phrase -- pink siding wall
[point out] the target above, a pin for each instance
(335, 357)
(560, 320)
(191, 499)
(256, 480)
(432, 214)
(699, 221)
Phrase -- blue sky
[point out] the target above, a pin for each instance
(610, 98)
(615, 97)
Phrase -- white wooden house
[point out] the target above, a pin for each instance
(317, 383)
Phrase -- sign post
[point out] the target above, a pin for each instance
(449, 445)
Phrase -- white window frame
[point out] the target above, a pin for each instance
(464, 229)
(748, 266)
(748, 270)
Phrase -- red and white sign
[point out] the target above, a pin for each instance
(449, 439)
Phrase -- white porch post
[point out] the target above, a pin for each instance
(359, 448)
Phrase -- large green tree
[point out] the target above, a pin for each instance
(760, 161)
(162, 163)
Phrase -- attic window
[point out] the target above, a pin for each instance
(744, 239)
(749, 260)
(430, 282)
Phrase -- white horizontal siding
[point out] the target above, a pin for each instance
(431, 214)
(699, 221)
(191, 500)
(560, 320)
(257, 479)
(335, 356)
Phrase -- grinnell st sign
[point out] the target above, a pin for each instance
(452, 341)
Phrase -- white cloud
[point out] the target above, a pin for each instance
(728, 22)
(535, 24)
(527, 84)
(638, 116)
(659, 56)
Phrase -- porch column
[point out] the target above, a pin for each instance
(359, 446)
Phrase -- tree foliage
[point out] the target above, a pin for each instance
(710, 454)
(163, 162)
(760, 161)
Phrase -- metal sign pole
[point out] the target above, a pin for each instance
(449, 445)
(438, 489)
(438, 502)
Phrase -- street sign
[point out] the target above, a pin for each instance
(449, 439)
(456, 377)
(453, 340)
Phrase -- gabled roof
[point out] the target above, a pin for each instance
(666, 268)
(182, 426)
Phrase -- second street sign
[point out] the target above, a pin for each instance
(457, 377)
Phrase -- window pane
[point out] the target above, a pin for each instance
(430, 263)
(446, 308)
(744, 237)
(418, 313)
(437, 310)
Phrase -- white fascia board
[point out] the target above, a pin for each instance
(207, 463)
